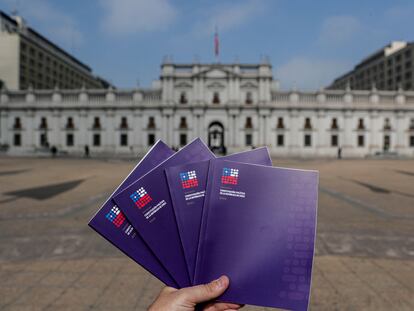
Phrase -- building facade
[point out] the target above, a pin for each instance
(29, 59)
(390, 68)
(231, 106)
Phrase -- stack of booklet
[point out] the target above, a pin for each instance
(189, 217)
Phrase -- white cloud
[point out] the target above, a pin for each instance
(228, 16)
(134, 16)
(339, 30)
(308, 73)
(56, 24)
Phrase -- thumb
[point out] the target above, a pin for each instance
(205, 292)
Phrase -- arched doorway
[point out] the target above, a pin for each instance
(386, 143)
(216, 138)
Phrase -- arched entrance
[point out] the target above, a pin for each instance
(216, 138)
(387, 143)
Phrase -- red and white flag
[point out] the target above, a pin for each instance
(216, 44)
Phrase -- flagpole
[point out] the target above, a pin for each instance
(216, 45)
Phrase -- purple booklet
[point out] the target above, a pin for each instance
(187, 184)
(110, 222)
(147, 205)
(259, 229)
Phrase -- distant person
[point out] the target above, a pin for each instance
(339, 152)
(187, 299)
(86, 151)
(54, 151)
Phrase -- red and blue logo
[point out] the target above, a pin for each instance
(230, 176)
(140, 198)
(189, 179)
(115, 216)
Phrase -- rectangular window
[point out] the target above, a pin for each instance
(412, 141)
(308, 140)
(151, 139)
(96, 140)
(334, 140)
(249, 139)
(123, 140)
(151, 123)
(280, 123)
(280, 140)
(17, 140)
(361, 140)
(69, 140)
(183, 139)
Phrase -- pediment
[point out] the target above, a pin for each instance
(249, 85)
(216, 85)
(183, 85)
(216, 72)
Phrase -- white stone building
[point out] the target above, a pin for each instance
(230, 106)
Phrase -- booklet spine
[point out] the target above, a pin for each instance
(204, 221)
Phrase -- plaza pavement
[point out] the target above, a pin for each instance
(51, 260)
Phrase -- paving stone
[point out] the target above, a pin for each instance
(40, 296)
(77, 266)
(23, 279)
(43, 265)
(9, 294)
(60, 279)
(92, 280)
(78, 297)
(51, 260)
(20, 307)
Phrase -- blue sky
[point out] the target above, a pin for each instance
(308, 42)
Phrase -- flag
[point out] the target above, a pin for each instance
(140, 198)
(216, 44)
(189, 179)
(115, 216)
(230, 176)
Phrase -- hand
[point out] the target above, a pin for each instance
(186, 299)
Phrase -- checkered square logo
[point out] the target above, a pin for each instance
(189, 179)
(140, 198)
(115, 216)
(230, 176)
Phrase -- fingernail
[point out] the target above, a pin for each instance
(219, 283)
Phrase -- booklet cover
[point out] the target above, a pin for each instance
(147, 205)
(259, 229)
(187, 184)
(111, 223)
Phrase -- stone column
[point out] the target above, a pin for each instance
(375, 132)
(349, 127)
(30, 132)
(136, 130)
(164, 131)
(197, 122)
(295, 134)
(54, 131)
(3, 128)
(168, 113)
(400, 133)
(263, 126)
(110, 132)
(234, 115)
(321, 141)
(83, 134)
